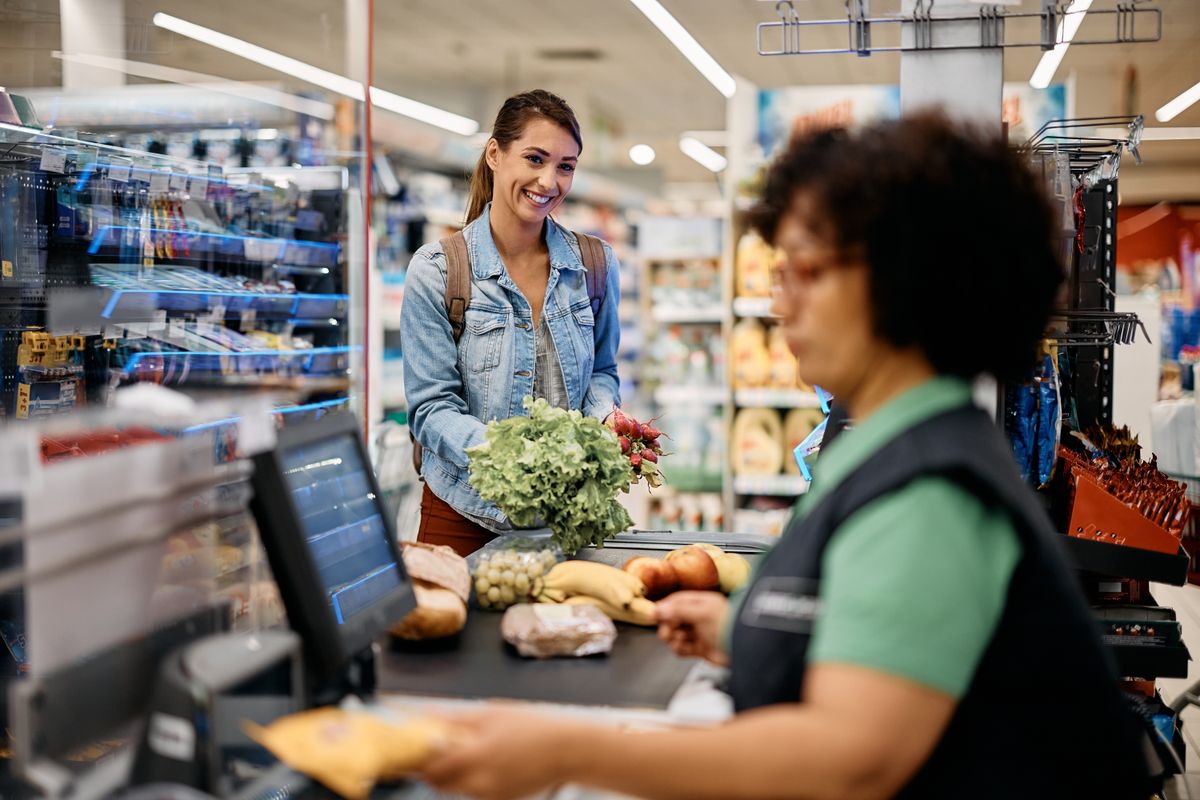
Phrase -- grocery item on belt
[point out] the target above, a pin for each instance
(349, 751)
(441, 586)
(547, 631)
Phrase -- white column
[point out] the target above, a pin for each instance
(966, 83)
(92, 27)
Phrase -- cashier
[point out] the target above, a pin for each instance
(915, 632)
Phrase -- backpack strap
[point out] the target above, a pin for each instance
(458, 281)
(595, 266)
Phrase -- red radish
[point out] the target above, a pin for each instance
(635, 460)
(649, 456)
(624, 440)
(650, 433)
(635, 429)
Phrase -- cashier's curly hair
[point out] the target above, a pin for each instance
(957, 233)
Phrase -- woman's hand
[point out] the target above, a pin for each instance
(503, 753)
(690, 623)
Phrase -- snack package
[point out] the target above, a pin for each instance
(349, 752)
(552, 630)
(1021, 423)
(505, 578)
(1049, 427)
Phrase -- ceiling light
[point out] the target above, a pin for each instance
(641, 154)
(702, 153)
(1072, 19)
(260, 55)
(710, 138)
(250, 91)
(688, 45)
(1151, 134)
(424, 113)
(1174, 108)
(319, 77)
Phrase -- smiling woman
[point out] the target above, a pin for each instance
(515, 305)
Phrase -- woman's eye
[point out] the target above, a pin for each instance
(534, 159)
(567, 167)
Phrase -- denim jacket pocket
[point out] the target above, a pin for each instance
(482, 337)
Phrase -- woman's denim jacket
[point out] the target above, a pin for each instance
(454, 390)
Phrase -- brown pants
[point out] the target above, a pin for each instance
(441, 524)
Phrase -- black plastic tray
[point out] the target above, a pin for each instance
(1127, 562)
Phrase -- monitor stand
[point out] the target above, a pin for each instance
(357, 677)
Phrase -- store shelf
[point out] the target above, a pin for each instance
(1150, 661)
(283, 411)
(775, 485)
(313, 361)
(687, 315)
(752, 307)
(775, 398)
(133, 305)
(191, 244)
(691, 395)
(1127, 562)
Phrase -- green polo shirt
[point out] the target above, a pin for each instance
(914, 583)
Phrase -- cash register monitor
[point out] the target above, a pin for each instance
(331, 547)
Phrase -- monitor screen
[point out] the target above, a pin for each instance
(342, 526)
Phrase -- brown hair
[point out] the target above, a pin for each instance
(957, 233)
(510, 123)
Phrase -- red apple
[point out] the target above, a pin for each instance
(658, 576)
(695, 568)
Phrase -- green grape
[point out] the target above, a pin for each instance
(493, 576)
(522, 583)
(535, 570)
(506, 595)
(507, 577)
(481, 586)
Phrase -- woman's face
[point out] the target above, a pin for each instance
(531, 177)
(823, 299)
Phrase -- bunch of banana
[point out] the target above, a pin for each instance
(620, 595)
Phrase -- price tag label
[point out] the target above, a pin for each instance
(6, 269)
(198, 187)
(118, 170)
(160, 182)
(176, 329)
(54, 159)
(178, 181)
(217, 314)
(160, 321)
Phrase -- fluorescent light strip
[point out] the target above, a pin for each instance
(703, 154)
(291, 102)
(687, 44)
(1067, 28)
(1152, 134)
(339, 84)
(710, 138)
(1177, 106)
(425, 113)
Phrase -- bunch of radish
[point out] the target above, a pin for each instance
(639, 441)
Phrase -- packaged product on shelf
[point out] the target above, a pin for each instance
(713, 511)
(757, 442)
(750, 360)
(752, 266)
(50, 375)
(784, 370)
(797, 425)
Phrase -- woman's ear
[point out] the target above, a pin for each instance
(491, 153)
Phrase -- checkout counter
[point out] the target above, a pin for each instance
(187, 687)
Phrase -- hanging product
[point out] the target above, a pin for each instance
(1049, 426)
(797, 427)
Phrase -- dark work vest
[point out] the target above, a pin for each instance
(1043, 716)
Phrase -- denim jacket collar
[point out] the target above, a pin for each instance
(485, 258)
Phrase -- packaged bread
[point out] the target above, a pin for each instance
(441, 585)
(350, 751)
(797, 425)
(757, 442)
(552, 629)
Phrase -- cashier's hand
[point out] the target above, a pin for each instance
(500, 754)
(690, 623)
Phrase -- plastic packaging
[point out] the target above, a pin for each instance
(508, 577)
(1049, 421)
(551, 630)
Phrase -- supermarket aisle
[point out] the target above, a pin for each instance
(1186, 602)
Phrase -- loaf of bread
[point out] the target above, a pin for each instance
(442, 586)
(549, 630)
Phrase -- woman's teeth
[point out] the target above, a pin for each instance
(540, 200)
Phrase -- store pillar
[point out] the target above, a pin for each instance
(94, 28)
(966, 83)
